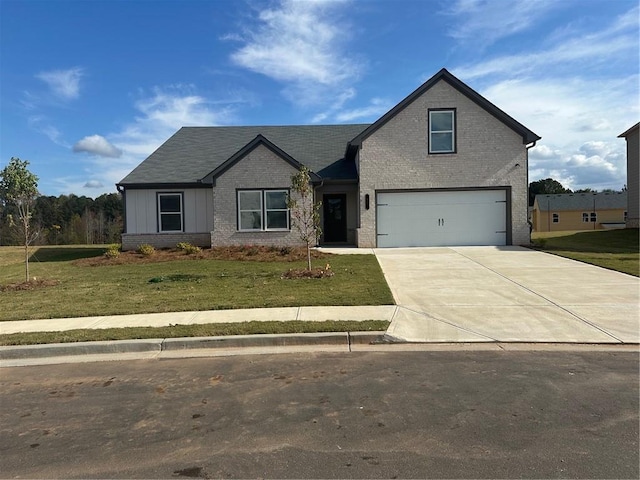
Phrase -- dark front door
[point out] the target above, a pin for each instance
(335, 217)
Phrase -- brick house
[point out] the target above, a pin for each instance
(443, 167)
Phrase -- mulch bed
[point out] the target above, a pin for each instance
(30, 285)
(245, 253)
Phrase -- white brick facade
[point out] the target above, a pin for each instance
(489, 154)
(259, 169)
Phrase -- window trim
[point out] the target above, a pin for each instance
(160, 213)
(454, 126)
(239, 211)
(263, 210)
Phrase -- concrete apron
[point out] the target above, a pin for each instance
(507, 294)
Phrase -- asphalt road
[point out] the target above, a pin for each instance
(354, 415)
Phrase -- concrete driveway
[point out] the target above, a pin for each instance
(508, 294)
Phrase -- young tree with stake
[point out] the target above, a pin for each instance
(305, 213)
(19, 187)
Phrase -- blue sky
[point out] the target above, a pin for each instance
(90, 88)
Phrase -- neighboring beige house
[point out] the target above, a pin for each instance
(633, 175)
(443, 167)
(579, 211)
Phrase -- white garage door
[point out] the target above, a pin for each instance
(426, 219)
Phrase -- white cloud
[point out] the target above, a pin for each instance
(64, 84)
(376, 108)
(301, 43)
(97, 145)
(42, 124)
(483, 22)
(556, 93)
(297, 42)
(338, 103)
(160, 115)
(93, 184)
(617, 42)
(579, 121)
(164, 112)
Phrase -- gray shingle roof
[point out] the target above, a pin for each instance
(193, 152)
(581, 201)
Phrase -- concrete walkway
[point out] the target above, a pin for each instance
(454, 294)
(309, 314)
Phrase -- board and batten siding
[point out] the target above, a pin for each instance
(142, 218)
(488, 154)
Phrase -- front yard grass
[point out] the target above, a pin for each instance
(205, 330)
(170, 285)
(613, 249)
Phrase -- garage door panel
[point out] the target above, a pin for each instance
(476, 217)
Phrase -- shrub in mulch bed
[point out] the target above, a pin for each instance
(252, 253)
(30, 285)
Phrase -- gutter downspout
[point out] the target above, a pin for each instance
(527, 147)
(123, 192)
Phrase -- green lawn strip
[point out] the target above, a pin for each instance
(597, 241)
(184, 285)
(625, 263)
(204, 330)
(613, 249)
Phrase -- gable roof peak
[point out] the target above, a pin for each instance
(258, 140)
(629, 130)
(443, 74)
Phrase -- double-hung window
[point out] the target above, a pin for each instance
(442, 131)
(170, 217)
(585, 217)
(260, 210)
(594, 217)
(555, 218)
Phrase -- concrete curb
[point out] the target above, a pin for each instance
(19, 352)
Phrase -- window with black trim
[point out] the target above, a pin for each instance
(442, 131)
(263, 210)
(170, 212)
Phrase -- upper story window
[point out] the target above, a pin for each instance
(442, 131)
(170, 215)
(260, 210)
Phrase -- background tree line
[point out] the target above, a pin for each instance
(69, 219)
(550, 186)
